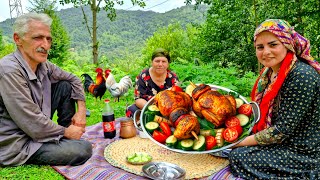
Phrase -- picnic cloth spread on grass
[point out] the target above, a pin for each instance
(97, 167)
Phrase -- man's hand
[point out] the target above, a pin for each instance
(79, 118)
(74, 132)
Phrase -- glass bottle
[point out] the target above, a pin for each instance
(108, 121)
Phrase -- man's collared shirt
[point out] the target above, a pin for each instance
(25, 107)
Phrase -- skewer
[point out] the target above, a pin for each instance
(192, 84)
(192, 132)
(193, 114)
(194, 135)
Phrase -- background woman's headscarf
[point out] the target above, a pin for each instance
(299, 46)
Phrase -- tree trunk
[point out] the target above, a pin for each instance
(95, 43)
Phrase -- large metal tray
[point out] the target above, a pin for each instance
(223, 151)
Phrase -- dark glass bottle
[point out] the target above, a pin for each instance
(109, 124)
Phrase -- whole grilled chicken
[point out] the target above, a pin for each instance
(169, 100)
(98, 88)
(186, 126)
(212, 105)
(117, 89)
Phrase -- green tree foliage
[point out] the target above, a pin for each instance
(5, 48)
(175, 39)
(227, 36)
(61, 41)
(1, 40)
(95, 8)
(303, 15)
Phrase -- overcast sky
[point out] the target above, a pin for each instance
(151, 5)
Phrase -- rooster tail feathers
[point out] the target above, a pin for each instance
(119, 89)
(87, 81)
(126, 81)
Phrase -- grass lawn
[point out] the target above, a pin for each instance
(46, 172)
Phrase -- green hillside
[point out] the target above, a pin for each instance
(125, 35)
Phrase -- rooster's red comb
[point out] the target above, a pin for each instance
(107, 71)
(99, 70)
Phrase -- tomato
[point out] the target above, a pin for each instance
(238, 128)
(232, 121)
(178, 120)
(165, 128)
(210, 142)
(176, 88)
(230, 134)
(159, 136)
(245, 109)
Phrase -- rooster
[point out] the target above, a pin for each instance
(117, 89)
(98, 88)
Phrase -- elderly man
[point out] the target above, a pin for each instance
(31, 90)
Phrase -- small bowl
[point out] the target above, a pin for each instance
(142, 135)
(142, 158)
(163, 170)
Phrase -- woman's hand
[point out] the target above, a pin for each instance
(140, 103)
(248, 141)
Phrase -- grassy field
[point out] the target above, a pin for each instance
(46, 172)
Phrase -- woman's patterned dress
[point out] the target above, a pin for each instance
(290, 148)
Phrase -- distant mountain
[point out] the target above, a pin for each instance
(127, 33)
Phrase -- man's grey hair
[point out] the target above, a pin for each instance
(21, 25)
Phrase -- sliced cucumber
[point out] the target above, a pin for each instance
(200, 144)
(151, 126)
(131, 156)
(153, 108)
(171, 141)
(185, 144)
(152, 111)
(139, 158)
(243, 119)
(239, 102)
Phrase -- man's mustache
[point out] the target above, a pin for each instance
(42, 50)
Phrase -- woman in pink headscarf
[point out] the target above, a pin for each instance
(286, 140)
